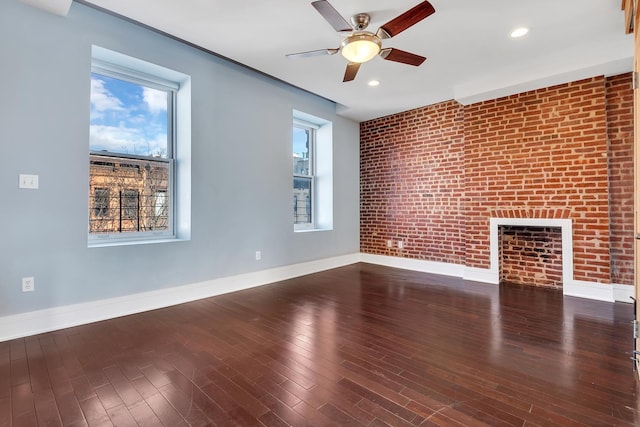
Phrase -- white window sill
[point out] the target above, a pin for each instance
(310, 230)
(109, 243)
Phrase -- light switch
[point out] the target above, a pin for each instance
(29, 181)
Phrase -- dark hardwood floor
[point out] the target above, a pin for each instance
(358, 345)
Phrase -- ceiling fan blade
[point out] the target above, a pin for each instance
(397, 55)
(351, 71)
(332, 16)
(406, 20)
(319, 52)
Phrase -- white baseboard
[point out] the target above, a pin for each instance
(446, 269)
(576, 288)
(443, 268)
(589, 290)
(51, 319)
(483, 275)
(623, 293)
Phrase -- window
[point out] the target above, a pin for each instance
(312, 173)
(303, 178)
(100, 202)
(133, 174)
(161, 204)
(129, 201)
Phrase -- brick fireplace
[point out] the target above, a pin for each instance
(435, 177)
(530, 256)
(531, 252)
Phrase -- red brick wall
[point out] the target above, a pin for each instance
(620, 132)
(541, 150)
(433, 176)
(411, 177)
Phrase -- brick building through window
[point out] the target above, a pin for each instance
(127, 195)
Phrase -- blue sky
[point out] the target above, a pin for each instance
(127, 118)
(299, 141)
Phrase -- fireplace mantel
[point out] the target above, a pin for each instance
(565, 226)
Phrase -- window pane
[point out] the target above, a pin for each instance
(161, 204)
(100, 202)
(301, 151)
(128, 118)
(129, 203)
(302, 200)
(129, 195)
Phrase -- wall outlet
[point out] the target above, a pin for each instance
(258, 255)
(29, 181)
(389, 243)
(28, 284)
(400, 244)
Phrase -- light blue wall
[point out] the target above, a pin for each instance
(241, 166)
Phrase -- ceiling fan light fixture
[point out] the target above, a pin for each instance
(519, 32)
(361, 47)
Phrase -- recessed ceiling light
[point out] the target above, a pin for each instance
(519, 32)
(374, 83)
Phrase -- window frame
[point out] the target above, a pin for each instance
(115, 71)
(312, 129)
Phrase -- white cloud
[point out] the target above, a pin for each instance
(121, 139)
(102, 100)
(156, 100)
(127, 125)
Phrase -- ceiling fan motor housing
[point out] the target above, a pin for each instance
(360, 21)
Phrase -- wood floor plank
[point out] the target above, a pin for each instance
(165, 411)
(383, 414)
(22, 400)
(46, 409)
(122, 386)
(358, 345)
(244, 398)
(69, 409)
(94, 412)
(108, 396)
(278, 391)
(312, 415)
(5, 411)
(144, 415)
(210, 408)
(337, 415)
(284, 411)
(184, 405)
(20, 372)
(120, 416)
(144, 387)
(272, 420)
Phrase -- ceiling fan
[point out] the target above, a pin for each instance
(359, 45)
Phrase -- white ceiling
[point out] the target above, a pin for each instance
(470, 54)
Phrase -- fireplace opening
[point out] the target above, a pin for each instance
(530, 255)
